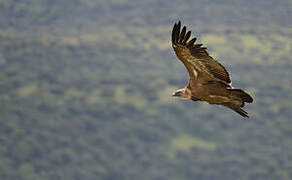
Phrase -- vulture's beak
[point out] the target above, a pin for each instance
(176, 94)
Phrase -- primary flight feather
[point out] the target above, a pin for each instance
(209, 81)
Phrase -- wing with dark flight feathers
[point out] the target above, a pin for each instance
(195, 57)
(237, 109)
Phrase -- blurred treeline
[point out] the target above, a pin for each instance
(85, 90)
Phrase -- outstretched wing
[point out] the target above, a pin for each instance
(195, 57)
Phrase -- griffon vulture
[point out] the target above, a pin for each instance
(209, 81)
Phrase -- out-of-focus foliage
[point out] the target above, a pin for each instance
(85, 91)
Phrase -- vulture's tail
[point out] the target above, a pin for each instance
(242, 95)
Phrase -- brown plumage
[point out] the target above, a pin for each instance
(209, 81)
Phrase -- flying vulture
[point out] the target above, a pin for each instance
(209, 81)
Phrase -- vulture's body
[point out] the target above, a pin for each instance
(209, 81)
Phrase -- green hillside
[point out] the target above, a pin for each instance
(85, 91)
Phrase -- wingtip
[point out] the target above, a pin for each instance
(179, 25)
(243, 113)
(180, 34)
(176, 32)
(173, 38)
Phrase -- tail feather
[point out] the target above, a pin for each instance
(242, 95)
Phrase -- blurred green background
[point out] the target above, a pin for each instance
(85, 91)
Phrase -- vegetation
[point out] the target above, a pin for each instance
(86, 91)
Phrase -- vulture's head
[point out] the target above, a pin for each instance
(182, 93)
